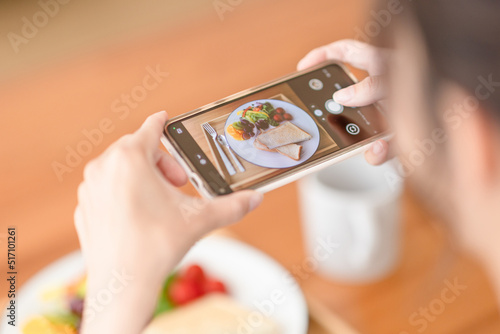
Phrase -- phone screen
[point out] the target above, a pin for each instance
(272, 132)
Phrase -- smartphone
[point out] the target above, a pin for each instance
(273, 134)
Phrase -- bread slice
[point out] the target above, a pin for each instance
(291, 150)
(284, 134)
(212, 314)
(258, 145)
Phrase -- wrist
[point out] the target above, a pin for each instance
(123, 304)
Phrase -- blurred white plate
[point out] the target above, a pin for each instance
(247, 151)
(251, 277)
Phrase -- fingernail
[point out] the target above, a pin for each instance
(377, 148)
(255, 200)
(342, 96)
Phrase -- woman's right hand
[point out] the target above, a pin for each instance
(367, 91)
(134, 226)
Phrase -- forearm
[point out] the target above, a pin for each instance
(122, 307)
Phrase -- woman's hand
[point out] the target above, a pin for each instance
(368, 91)
(134, 226)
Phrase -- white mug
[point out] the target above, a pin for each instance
(355, 209)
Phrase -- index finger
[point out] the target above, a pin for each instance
(355, 53)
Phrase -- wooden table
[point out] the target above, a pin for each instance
(428, 266)
(45, 114)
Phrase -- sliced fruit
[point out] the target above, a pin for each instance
(214, 286)
(195, 274)
(78, 288)
(41, 325)
(182, 292)
(234, 133)
(64, 318)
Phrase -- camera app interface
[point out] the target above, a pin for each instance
(268, 134)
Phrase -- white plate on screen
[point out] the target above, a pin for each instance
(250, 275)
(247, 151)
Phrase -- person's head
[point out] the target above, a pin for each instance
(445, 107)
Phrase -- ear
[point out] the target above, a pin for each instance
(474, 142)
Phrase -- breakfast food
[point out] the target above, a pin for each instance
(286, 133)
(39, 325)
(291, 150)
(261, 147)
(180, 289)
(257, 117)
(270, 128)
(215, 314)
(186, 286)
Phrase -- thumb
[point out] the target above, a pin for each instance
(232, 208)
(366, 92)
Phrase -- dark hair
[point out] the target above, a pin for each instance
(462, 40)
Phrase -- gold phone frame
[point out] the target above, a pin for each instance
(202, 186)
